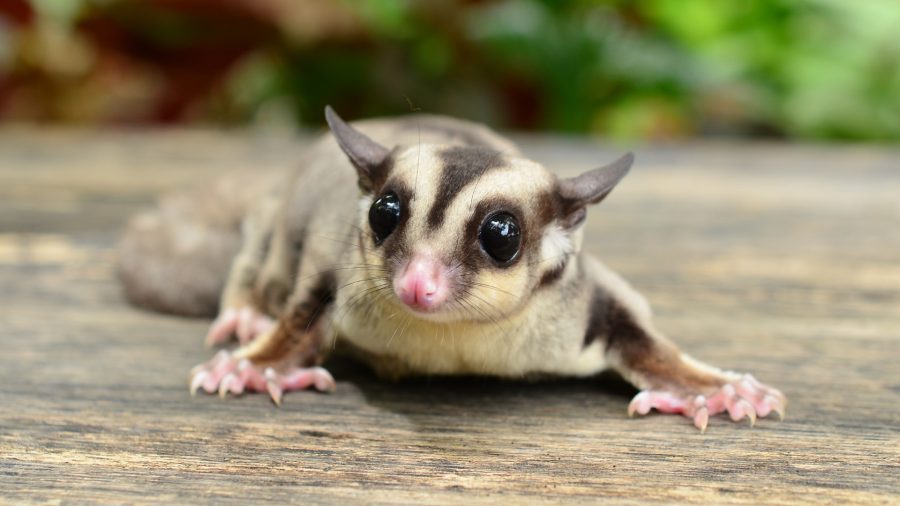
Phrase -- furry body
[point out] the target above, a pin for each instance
(314, 261)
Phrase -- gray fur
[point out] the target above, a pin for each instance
(554, 310)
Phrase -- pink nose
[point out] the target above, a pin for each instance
(423, 284)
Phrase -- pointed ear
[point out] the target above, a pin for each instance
(576, 193)
(367, 156)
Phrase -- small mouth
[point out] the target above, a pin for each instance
(420, 307)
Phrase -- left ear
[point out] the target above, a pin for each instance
(364, 153)
(576, 193)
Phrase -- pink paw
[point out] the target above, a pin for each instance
(246, 323)
(743, 397)
(225, 374)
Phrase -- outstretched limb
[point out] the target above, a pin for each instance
(287, 357)
(672, 382)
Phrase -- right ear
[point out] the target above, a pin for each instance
(366, 155)
(576, 193)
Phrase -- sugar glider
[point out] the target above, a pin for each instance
(422, 245)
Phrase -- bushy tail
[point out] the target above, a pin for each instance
(175, 259)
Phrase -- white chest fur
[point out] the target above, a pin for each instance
(536, 340)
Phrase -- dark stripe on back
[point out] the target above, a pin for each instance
(461, 165)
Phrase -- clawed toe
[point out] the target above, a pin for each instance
(246, 323)
(209, 374)
(222, 328)
(664, 402)
(299, 378)
(743, 398)
(765, 399)
(701, 419)
(225, 375)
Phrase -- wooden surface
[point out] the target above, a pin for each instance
(783, 261)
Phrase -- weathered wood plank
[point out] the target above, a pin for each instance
(781, 260)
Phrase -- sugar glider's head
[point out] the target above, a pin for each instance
(467, 232)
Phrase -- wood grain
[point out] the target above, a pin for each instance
(780, 260)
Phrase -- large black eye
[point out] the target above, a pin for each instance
(384, 215)
(501, 237)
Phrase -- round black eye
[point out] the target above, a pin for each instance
(384, 215)
(501, 237)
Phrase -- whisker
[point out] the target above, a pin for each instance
(485, 285)
(341, 267)
(322, 304)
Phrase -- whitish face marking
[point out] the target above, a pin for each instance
(436, 259)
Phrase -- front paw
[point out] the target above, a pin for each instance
(225, 374)
(246, 323)
(741, 397)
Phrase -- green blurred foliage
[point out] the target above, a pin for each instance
(816, 69)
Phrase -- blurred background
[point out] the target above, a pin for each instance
(658, 69)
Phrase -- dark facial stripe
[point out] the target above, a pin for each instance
(375, 178)
(460, 167)
(547, 207)
(468, 253)
(395, 244)
(426, 123)
(547, 211)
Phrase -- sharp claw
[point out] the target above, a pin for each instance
(225, 384)
(701, 419)
(275, 391)
(743, 397)
(197, 381)
(749, 411)
(771, 403)
(324, 381)
(780, 411)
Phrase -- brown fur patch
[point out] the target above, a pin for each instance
(298, 333)
(552, 275)
(655, 361)
(377, 175)
(547, 208)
